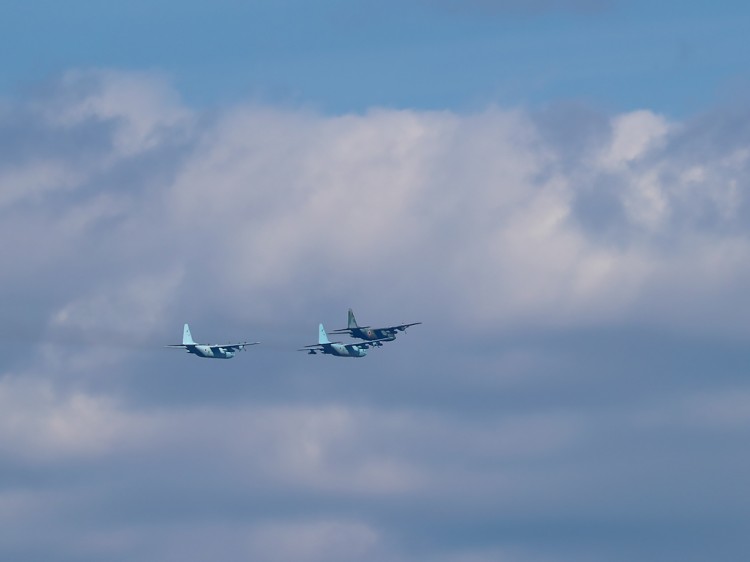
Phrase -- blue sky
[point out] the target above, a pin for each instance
(558, 190)
(672, 57)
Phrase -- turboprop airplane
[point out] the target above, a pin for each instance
(222, 351)
(372, 334)
(339, 349)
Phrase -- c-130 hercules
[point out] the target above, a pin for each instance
(372, 334)
(214, 351)
(339, 349)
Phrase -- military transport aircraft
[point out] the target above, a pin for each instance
(372, 334)
(339, 349)
(222, 351)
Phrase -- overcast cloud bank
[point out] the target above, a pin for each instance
(576, 392)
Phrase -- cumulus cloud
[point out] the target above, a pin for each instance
(426, 202)
(570, 268)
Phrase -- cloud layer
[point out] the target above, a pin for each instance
(576, 391)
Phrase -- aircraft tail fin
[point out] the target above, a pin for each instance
(187, 339)
(322, 336)
(352, 320)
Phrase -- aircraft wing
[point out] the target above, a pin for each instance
(349, 330)
(401, 327)
(317, 346)
(366, 344)
(233, 346)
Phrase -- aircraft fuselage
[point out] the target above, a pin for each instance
(340, 350)
(373, 334)
(209, 352)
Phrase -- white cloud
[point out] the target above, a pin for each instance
(471, 223)
(143, 106)
(316, 541)
(132, 307)
(633, 135)
(43, 423)
(718, 410)
(472, 211)
(33, 182)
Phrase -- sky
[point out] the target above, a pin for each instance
(557, 190)
(341, 56)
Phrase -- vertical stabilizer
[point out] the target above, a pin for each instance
(352, 320)
(187, 339)
(322, 336)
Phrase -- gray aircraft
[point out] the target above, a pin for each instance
(220, 351)
(339, 349)
(372, 334)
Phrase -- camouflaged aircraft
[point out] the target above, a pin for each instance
(372, 334)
